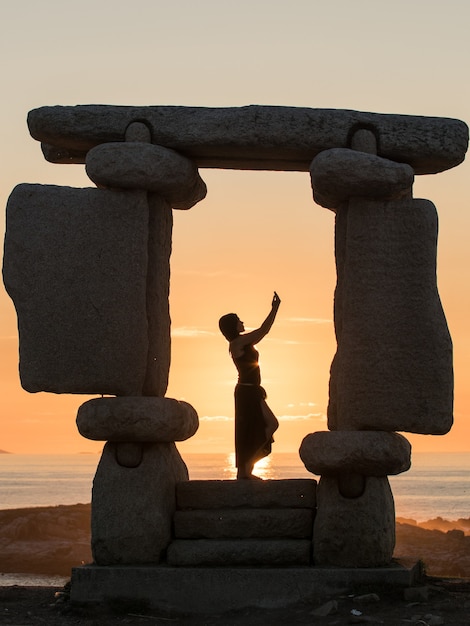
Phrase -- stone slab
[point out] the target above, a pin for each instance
(183, 590)
(244, 523)
(75, 265)
(135, 418)
(158, 292)
(220, 552)
(371, 453)
(229, 494)
(251, 137)
(393, 367)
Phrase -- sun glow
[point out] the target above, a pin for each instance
(263, 468)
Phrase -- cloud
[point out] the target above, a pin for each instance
(285, 418)
(291, 405)
(191, 332)
(215, 418)
(302, 418)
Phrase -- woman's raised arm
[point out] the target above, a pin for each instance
(255, 336)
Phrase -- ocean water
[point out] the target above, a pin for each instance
(437, 485)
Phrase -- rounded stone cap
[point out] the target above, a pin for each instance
(136, 165)
(340, 173)
(367, 452)
(137, 418)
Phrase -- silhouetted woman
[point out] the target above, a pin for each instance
(255, 423)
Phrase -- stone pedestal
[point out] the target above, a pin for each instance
(133, 501)
(357, 531)
(134, 490)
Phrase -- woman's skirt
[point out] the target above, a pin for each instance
(250, 427)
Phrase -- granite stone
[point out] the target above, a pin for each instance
(354, 532)
(244, 524)
(133, 507)
(158, 292)
(223, 552)
(209, 592)
(227, 494)
(75, 266)
(137, 419)
(251, 137)
(393, 367)
(135, 165)
(339, 174)
(372, 453)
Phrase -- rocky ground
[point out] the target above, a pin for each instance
(435, 602)
(50, 540)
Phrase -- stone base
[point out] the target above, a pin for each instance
(221, 589)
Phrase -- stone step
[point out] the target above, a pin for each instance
(244, 523)
(249, 494)
(224, 552)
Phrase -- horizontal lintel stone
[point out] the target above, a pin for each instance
(251, 137)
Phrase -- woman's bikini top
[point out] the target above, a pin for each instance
(248, 366)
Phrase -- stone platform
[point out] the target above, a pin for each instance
(221, 589)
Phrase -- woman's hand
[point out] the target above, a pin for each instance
(276, 301)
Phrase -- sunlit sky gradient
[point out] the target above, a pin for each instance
(255, 231)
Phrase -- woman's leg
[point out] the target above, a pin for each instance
(270, 420)
(245, 470)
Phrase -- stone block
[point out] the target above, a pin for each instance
(393, 367)
(354, 532)
(216, 590)
(229, 494)
(75, 265)
(339, 174)
(244, 523)
(137, 419)
(207, 552)
(371, 453)
(135, 165)
(158, 292)
(133, 507)
(251, 137)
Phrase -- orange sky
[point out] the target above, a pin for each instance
(255, 231)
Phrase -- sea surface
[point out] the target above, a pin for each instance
(437, 485)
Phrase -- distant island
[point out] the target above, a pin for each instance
(4, 452)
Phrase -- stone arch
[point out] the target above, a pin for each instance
(393, 367)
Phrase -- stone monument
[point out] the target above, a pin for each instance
(88, 271)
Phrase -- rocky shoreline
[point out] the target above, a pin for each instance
(52, 540)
